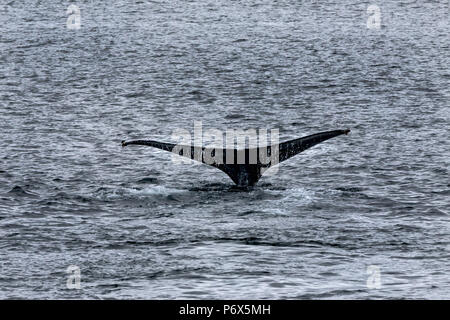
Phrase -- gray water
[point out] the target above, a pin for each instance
(138, 226)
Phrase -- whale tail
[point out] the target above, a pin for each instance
(244, 166)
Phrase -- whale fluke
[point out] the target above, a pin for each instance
(244, 166)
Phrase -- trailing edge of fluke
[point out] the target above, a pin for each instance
(249, 170)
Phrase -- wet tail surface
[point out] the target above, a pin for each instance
(244, 166)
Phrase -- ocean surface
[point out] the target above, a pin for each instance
(356, 217)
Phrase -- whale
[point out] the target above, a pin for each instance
(244, 166)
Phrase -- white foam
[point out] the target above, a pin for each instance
(120, 193)
(154, 190)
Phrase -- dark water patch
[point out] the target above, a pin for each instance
(435, 212)
(445, 192)
(135, 95)
(60, 197)
(172, 197)
(151, 180)
(211, 187)
(5, 174)
(408, 228)
(32, 214)
(249, 212)
(350, 189)
(19, 191)
(235, 116)
(264, 242)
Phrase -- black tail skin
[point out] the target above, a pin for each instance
(244, 166)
